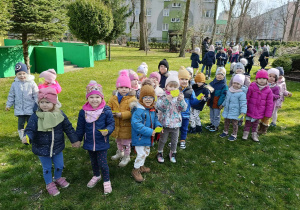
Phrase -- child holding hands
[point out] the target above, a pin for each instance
(45, 131)
(96, 123)
(144, 121)
(171, 107)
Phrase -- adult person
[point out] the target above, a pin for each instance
(264, 58)
(249, 55)
(205, 48)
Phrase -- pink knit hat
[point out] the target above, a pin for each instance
(49, 75)
(123, 80)
(262, 74)
(93, 88)
(48, 93)
(239, 78)
(133, 75)
(155, 75)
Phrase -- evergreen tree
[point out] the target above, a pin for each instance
(38, 19)
(5, 8)
(90, 20)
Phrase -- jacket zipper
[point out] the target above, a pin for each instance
(94, 136)
(52, 143)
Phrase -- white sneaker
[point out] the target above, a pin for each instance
(21, 133)
(182, 145)
(125, 161)
(119, 154)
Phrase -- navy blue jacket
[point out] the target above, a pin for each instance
(206, 94)
(221, 59)
(42, 141)
(195, 60)
(249, 56)
(163, 79)
(93, 139)
(209, 58)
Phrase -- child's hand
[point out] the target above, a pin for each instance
(104, 133)
(153, 133)
(221, 107)
(169, 97)
(289, 95)
(24, 140)
(180, 97)
(118, 115)
(76, 144)
(7, 108)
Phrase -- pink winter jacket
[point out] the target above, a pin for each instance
(283, 92)
(56, 86)
(259, 102)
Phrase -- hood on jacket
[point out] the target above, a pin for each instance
(28, 78)
(194, 55)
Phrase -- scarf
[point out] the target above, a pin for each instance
(231, 89)
(49, 120)
(87, 106)
(120, 97)
(261, 86)
(167, 92)
(91, 114)
(271, 85)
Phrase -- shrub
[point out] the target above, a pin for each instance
(250, 42)
(128, 44)
(245, 43)
(285, 62)
(295, 61)
(153, 40)
(262, 43)
(256, 44)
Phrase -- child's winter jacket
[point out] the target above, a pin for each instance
(143, 121)
(55, 86)
(205, 91)
(283, 91)
(23, 95)
(276, 91)
(259, 102)
(190, 99)
(195, 60)
(123, 124)
(170, 111)
(221, 59)
(234, 57)
(249, 56)
(42, 142)
(219, 94)
(247, 81)
(234, 104)
(209, 58)
(93, 138)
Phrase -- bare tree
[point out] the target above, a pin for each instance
(226, 34)
(143, 26)
(215, 21)
(290, 37)
(133, 18)
(244, 5)
(185, 26)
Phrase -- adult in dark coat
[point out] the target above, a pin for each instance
(205, 48)
(264, 58)
(249, 55)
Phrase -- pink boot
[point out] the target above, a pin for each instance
(107, 187)
(52, 189)
(62, 182)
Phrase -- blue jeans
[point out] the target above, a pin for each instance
(22, 119)
(58, 161)
(184, 128)
(215, 116)
(203, 66)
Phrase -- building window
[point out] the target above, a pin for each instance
(165, 27)
(209, 13)
(137, 11)
(135, 25)
(148, 12)
(176, 4)
(208, 28)
(166, 12)
(175, 20)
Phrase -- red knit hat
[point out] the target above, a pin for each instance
(49, 94)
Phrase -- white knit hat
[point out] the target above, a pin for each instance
(142, 69)
(239, 78)
(190, 70)
(221, 70)
(273, 71)
(173, 76)
(238, 66)
(244, 61)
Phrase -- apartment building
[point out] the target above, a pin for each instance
(166, 16)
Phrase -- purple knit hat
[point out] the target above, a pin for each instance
(262, 74)
(155, 75)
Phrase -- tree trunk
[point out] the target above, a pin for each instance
(290, 37)
(185, 29)
(106, 50)
(244, 8)
(25, 50)
(133, 19)
(142, 19)
(215, 22)
(232, 4)
(109, 51)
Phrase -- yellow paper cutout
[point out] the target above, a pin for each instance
(104, 130)
(240, 116)
(114, 111)
(140, 74)
(174, 93)
(158, 129)
(200, 96)
(27, 139)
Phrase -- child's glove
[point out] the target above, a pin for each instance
(118, 115)
(290, 94)
(76, 144)
(7, 108)
(180, 97)
(221, 107)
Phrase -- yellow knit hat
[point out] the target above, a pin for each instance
(183, 73)
(200, 77)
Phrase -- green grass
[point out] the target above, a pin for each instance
(245, 174)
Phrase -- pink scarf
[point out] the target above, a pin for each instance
(167, 92)
(91, 114)
(231, 89)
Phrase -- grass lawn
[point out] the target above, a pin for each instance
(211, 173)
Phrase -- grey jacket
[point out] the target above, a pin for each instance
(23, 95)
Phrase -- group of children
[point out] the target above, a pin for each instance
(140, 111)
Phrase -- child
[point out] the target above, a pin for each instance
(208, 60)
(195, 59)
(199, 88)
(234, 56)
(163, 68)
(272, 80)
(217, 98)
(49, 80)
(155, 78)
(240, 69)
(171, 108)
(119, 104)
(283, 93)
(190, 99)
(259, 104)
(142, 72)
(23, 95)
(235, 104)
(96, 123)
(249, 55)
(221, 58)
(45, 131)
(134, 79)
(144, 121)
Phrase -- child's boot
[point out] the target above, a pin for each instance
(125, 161)
(136, 173)
(198, 128)
(193, 130)
(172, 156)
(21, 133)
(107, 187)
(119, 154)
(245, 135)
(255, 137)
(62, 182)
(144, 169)
(260, 126)
(263, 129)
(52, 189)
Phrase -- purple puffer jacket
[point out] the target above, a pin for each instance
(259, 102)
(275, 91)
(283, 92)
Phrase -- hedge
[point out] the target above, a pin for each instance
(288, 62)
